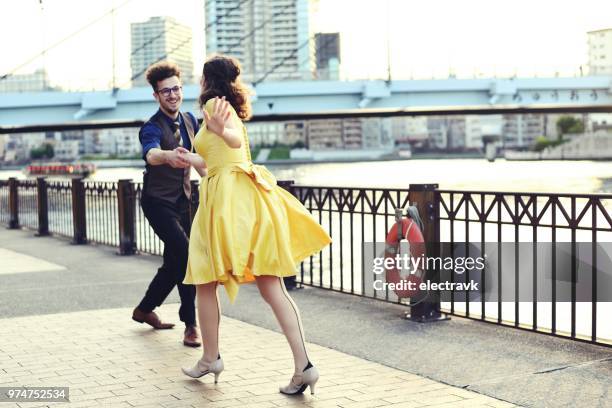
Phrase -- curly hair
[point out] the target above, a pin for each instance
(221, 77)
(160, 71)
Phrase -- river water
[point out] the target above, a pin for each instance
(464, 174)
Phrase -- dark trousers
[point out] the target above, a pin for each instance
(172, 224)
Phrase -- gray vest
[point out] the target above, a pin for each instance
(165, 182)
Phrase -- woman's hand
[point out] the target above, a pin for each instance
(220, 116)
(220, 124)
(192, 159)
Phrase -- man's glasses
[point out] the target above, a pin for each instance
(167, 91)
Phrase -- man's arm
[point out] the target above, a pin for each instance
(156, 156)
(150, 137)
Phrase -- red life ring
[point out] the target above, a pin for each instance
(412, 233)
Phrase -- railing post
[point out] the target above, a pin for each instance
(426, 199)
(126, 204)
(78, 212)
(43, 207)
(13, 203)
(194, 201)
(290, 282)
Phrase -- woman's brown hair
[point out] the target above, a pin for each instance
(221, 77)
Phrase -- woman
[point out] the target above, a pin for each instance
(246, 227)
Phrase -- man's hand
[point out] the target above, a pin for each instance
(220, 115)
(193, 159)
(176, 158)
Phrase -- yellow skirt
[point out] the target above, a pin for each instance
(247, 226)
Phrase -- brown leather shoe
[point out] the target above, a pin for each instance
(192, 338)
(151, 319)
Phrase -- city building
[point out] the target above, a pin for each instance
(522, 130)
(127, 142)
(14, 149)
(295, 132)
(77, 136)
(36, 81)
(265, 133)
(327, 49)
(120, 142)
(325, 134)
(67, 150)
(272, 39)
(601, 121)
(377, 133)
(600, 52)
(352, 133)
(161, 38)
(409, 130)
(481, 128)
(437, 132)
(446, 132)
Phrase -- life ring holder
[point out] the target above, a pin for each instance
(411, 232)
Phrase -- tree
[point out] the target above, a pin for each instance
(569, 124)
(42, 152)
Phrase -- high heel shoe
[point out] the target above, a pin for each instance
(299, 382)
(202, 368)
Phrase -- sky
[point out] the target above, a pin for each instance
(426, 39)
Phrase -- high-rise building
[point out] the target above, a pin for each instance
(36, 81)
(161, 38)
(600, 52)
(327, 49)
(272, 39)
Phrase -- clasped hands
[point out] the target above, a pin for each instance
(217, 123)
(178, 158)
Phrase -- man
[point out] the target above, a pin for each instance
(166, 197)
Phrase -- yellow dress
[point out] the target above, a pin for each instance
(245, 225)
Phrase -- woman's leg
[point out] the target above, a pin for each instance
(274, 293)
(209, 315)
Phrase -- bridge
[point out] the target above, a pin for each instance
(273, 101)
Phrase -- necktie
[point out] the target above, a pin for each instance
(177, 132)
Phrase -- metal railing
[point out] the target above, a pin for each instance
(563, 219)
(59, 207)
(110, 213)
(5, 211)
(101, 210)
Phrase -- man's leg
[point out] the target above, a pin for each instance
(187, 293)
(158, 288)
(166, 222)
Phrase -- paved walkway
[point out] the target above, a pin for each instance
(65, 315)
(108, 360)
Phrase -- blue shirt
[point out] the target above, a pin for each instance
(150, 136)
